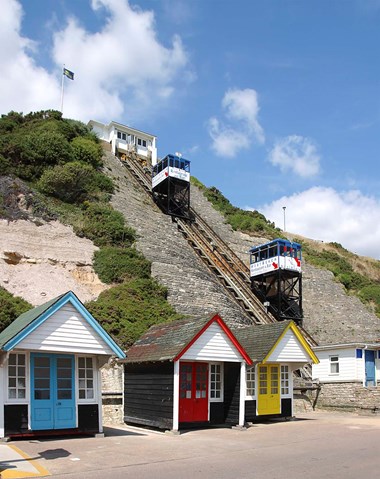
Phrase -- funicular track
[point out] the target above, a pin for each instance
(216, 254)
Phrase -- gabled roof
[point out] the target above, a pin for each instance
(260, 341)
(24, 320)
(169, 341)
(27, 322)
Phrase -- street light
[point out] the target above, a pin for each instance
(284, 208)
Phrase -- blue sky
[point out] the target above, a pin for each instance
(275, 102)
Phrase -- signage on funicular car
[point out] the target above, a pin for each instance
(173, 173)
(179, 174)
(274, 263)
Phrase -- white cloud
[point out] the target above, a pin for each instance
(243, 105)
(348, 217)
(241, 126)
(120, 68)
(23, 85)
(297, 154)
(227, 142)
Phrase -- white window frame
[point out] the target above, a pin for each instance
(285, 380)
(334, 363)
(94, 378)
(17, 400)
(248, 377)
(221, 381)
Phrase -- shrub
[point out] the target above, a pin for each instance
(70, 182)
(10, 308)
(241, 220)
(128, 310)
(101, 182)
(115, 265)
(87, 151)
(371, 294)
(105, 226)
(32, 153)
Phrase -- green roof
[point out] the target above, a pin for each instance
(25, 320)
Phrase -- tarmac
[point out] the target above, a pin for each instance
(15, 463)
(315, 445)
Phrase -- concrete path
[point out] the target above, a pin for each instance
(316, 445)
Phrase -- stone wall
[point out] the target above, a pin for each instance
(112, 393)
(330, 315)
(349, 396)
(192, 288)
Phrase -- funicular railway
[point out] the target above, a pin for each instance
(214, 252)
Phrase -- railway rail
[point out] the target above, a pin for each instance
(231, 271)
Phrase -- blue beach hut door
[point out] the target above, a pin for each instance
(370, 368)
(52, 391)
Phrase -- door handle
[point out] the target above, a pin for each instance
(59, 404)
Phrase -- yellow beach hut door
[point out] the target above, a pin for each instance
(269, 390)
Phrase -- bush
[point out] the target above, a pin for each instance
(128, 310)
(371, 294)
(241, 220)
(71, 182)
(101, 182)
(10, 308)
(105, 226)
(115, 265)
(32, 153)
(87, 151)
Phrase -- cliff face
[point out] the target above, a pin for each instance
(40, 262)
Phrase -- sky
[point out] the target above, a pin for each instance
(276, 103)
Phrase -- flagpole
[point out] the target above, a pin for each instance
(63, 82)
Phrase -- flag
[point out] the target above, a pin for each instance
(68, 74)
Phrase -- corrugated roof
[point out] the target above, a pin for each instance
(259, 340)
(164, 342)
(24, 320)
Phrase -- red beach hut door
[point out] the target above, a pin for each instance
(193, 392)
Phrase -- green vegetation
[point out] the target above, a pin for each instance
(128, 310)
(241, 220)
(72, 182)
(116, 265)
(10, 308)
(104, 226)
(29, 144)
(367, 289)
(62, 159)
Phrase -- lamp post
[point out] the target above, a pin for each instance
(284, 208)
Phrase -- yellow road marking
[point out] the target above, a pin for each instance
(16, 473)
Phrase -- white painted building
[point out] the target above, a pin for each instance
(353, 362)
(50, 360)
(124, 139)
